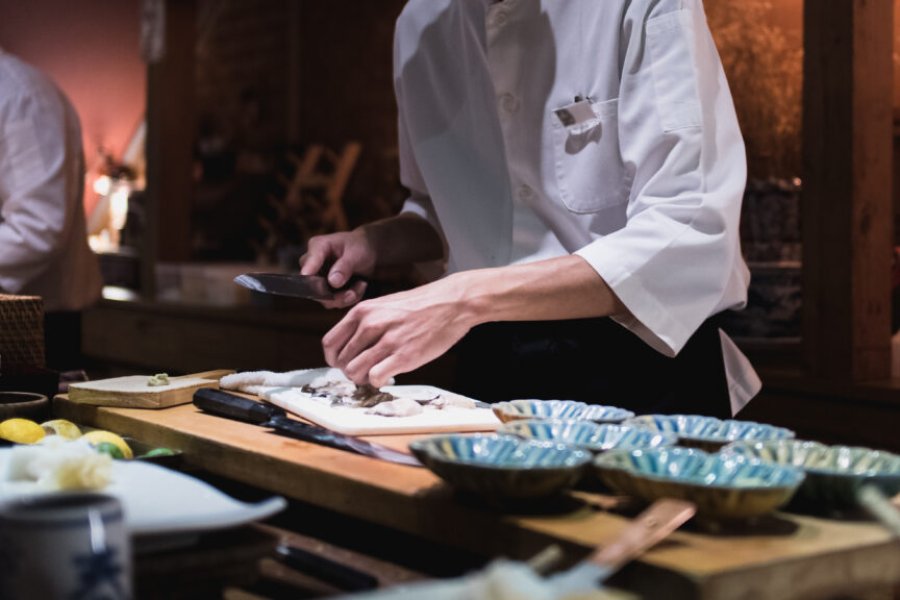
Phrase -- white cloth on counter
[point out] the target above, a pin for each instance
(43, 238)
(256, 382)
(260, 382)
(529, 130)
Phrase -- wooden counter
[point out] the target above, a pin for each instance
(784, 556)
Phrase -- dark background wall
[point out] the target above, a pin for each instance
(320, 72)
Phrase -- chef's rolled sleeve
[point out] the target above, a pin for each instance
(671, 265)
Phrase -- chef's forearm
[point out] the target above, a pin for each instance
(559, 288)
(402, 240)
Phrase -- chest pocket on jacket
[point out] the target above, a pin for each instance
(589, 169)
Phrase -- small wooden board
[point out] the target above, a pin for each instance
(133, 391)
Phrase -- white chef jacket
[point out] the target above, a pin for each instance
(539, 128)
(43, 240)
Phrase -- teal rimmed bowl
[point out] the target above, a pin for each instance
(709, 433)
(588, 435)
(502, 467)
(834, 474)
(559, 409)
(732, 487)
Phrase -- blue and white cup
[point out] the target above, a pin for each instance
(72, 546)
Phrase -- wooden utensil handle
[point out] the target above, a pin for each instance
(648, 529)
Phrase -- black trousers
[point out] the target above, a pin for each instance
(596, 361)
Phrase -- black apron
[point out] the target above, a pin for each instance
(596, 361)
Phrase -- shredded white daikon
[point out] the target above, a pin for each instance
(59, 464)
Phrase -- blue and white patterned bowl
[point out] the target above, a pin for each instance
(731, 487)
(502, 466)
(833, 473)
(559, 409)
(588, 435)
(599, 413)
(709, 433)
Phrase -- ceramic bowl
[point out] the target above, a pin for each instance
(588, 435)
(732, 487)
(559, 409)
(599, 413)
(25, 405)
(709, 433)
(502, 466)
(833, 473)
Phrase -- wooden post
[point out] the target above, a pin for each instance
(846, 207)
(170, 140)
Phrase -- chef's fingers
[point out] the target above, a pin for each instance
(362, 339)
(311, 264)
(382, 372)
(335, 340)
(349, 297)
(359, 369)
(319, 250)
(341, 270)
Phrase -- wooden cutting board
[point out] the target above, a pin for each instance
(133, 391)
(359, 421)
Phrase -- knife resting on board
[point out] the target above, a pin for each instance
(230, 406)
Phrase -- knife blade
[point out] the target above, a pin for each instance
(311, 287)
(230, 406)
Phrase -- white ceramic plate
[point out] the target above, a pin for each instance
(159, 501)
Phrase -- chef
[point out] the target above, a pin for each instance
(43, 243)
(579, 168)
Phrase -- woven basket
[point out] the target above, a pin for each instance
(21, 331)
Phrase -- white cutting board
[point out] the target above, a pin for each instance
(356, 421)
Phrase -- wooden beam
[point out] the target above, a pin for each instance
(170, 138)
(846, 206)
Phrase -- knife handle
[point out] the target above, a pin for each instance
(223, 404)
(339, 575)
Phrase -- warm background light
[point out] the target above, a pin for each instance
(90, 49)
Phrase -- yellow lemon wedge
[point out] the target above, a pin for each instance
(95, 438)
(62, 428)
(21, 431)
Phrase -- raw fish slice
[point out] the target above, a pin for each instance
(401, 407)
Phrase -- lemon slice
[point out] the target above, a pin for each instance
(62, 428)
(21, 431)
(95, 438)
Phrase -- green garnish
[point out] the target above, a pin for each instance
(111, 449)
(159, 452)
(158, 379)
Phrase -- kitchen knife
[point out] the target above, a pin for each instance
(339, 575)
(227, 405)
(311, 287)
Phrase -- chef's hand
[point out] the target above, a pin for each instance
(349, 253)
(394, 334)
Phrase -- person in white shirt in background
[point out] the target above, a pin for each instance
(580, 168)
(43, 240)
